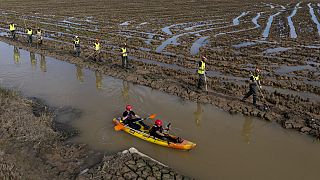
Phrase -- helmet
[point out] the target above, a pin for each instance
(77, 36)
(203, 58)
(128, 107)
(158, 122)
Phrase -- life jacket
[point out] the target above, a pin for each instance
(39, 32)
(124, 52)
(12, 27)
(97, 46)
(154, 129)
(202, 67)
(255, 77)
(29, 32)
(76, 41)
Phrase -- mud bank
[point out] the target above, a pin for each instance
(34, 145)
(223, 92)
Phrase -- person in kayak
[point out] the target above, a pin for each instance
(130, 118)
(157, 131)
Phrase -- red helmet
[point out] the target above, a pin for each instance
(158, 122)
(128, 107)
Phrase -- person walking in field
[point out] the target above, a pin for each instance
(39, 37)
(253, 86)
(201, 72)
(124, 55)
(29, 35)
(97, 49)
(76, 46)
(12, 29)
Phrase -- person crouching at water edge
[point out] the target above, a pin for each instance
(131, 119)
(202, 81)
(253, 85)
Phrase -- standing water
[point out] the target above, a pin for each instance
(228, 146)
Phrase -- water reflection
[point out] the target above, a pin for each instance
(125, 92)
(33, 60)
(79, 73)
(98, 80)
(43, 63)
(247, 128)
(198, 114)
(16, 55)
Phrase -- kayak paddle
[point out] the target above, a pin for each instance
(120, 126)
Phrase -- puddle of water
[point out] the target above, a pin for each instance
(236, 21)
(275, 50)
(269, 23)
(244, 44)
(173, 40)
(198, 44)
(293, 33)
(236, 142)
(202, 25)
(314, 17)
(270, 5)
(284, 69)
(125, 23)
(144, 23)
(255, 20)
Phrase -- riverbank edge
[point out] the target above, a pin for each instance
(35, 144)
(144, 74)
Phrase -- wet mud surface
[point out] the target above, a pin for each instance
(34, 146)
(281, 38)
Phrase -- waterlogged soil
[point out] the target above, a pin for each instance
(177, 25)
(34, 145)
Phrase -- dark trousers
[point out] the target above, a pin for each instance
(96, 55)
(201, 81)
(13, 34)
(136, 125)
(30, 39)
(77, 51)
(125, 61)
(253, 92)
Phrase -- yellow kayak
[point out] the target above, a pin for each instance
(144, 134)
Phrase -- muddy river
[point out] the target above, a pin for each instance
(229, 146)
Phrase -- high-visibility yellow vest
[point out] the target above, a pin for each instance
(12, 27)
(97, 46)
(256, 77)
(202, 68)
(124, 52)
(77, 41)
(29, 31)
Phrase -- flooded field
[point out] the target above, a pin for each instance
(249, 147)
(165, 41)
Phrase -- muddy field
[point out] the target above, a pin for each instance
(166, 39)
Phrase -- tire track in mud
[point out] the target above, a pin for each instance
(293, 33)
(314, 17)
(266, 31)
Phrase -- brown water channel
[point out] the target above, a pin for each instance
(229, 146)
